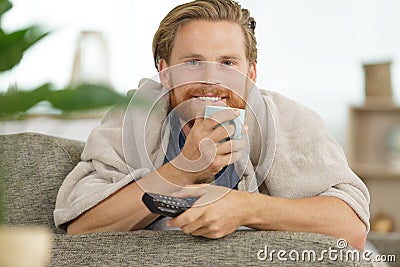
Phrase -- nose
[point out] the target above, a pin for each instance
(210, 73)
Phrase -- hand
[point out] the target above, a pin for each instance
(218, 212)
(203, 156)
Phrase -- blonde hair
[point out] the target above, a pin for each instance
(212, 10)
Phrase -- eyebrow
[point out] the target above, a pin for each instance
(234, 57)
(194, 55)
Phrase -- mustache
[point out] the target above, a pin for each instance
(231, 97)
(209, 89)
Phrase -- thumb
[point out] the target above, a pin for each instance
(198, 119)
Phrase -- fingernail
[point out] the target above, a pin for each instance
(246, 128)
(237, 112)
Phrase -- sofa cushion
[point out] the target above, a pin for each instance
(32, 167)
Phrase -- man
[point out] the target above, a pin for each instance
(298, 181)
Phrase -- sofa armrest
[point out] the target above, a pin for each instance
(32, 168)
(174, 248)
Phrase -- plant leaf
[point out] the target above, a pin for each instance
(13, 45)
(21, 101)
(5, 5)
(85, 96)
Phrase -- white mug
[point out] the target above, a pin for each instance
(238, 121)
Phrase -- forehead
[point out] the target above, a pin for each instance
(210, 39)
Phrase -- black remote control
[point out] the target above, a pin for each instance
(167, 205)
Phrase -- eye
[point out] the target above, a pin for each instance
(192, 62)
(228, 63)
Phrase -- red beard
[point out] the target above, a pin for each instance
(233, 100)
(184, 93)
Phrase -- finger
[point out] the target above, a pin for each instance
(202, 231)
(225, 131)
(231, 146)
(222, 132)
(187, 217)
(198, 120)
(206, 232)
(220, 117)
(196, 225)
(229, 158)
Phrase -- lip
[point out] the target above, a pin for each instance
(221, 98)
(221, 101)
(210, 95)
(213, 95)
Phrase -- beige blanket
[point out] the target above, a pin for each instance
(291, 155)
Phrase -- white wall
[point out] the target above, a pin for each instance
(309, 50)
(313, 51)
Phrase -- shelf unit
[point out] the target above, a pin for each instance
(367, 148)
(369, 156)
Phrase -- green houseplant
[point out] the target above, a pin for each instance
(31, 245)
(17, 101)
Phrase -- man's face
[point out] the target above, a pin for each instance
(194, 82)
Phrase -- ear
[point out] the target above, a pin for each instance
(252, 75)
(164, 74)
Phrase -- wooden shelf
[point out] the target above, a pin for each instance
(375, 108)
(370, 156)
(367, 149)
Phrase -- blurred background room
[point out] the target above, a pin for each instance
(340, 58)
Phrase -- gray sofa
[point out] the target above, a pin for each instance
(33, 166)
